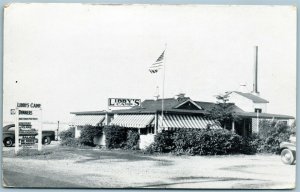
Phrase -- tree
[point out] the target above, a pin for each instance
(293, 127)
(223, 111)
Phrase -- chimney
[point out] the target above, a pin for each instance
(255, 72)
(180, 96)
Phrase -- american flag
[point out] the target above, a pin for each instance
(155, 67)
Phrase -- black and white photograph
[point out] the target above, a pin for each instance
(182, 96)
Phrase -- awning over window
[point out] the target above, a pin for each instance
(82, 120)
(187, 121)
(133, 120)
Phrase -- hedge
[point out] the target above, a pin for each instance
(88, 133)
(271, 134)
(201, 142)
(115, 137)
(69, 133)
(121, 137)
(86, 137)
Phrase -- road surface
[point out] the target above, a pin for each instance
(88, 168)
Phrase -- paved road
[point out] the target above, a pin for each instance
(117, 169)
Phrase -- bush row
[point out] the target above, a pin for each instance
(218, 142)
(202, 142)
(115, 137)
(183, 141)
(86, 137)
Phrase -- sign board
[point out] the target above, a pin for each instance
(123, 102)
(27, 140)
(28, 125)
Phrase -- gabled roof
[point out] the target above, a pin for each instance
(187, 101)
(210, 105)
(254, 98)
(154, 105)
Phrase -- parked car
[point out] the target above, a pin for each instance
(288, 151)
(8, 136)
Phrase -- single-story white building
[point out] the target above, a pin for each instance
(181, 112)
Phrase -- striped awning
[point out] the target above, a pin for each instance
(133, 120)
(82, 120)
(187, 121)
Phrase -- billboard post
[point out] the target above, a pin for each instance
(40, 132)
(17, 131)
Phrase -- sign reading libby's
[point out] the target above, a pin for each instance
(123, 102)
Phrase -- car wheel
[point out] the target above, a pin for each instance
(46, 140)
(287, 157)
(8, 142)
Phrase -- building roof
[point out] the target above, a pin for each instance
(173, 105)
(254, 98)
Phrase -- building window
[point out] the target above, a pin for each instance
(143, 131)
(257, 110)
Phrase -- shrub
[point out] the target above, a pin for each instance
(201, 142)
(71, 142)
(271, 134)
(151, 149)
(165, 141)
(251, 144)
(132, 140)
(69, 133)
(88, 133)
(68, 138)
(115, 136)
(206, 142)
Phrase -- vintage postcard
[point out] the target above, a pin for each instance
(149, 96)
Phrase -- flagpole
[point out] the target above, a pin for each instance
(163, 88)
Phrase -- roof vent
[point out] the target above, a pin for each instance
(181, 97)
(243, 88)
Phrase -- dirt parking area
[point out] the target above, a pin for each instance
(98, 168)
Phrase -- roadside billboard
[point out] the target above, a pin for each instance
(28, 124)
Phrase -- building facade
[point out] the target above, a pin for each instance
(178, 113)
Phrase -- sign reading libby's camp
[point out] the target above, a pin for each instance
(28, 124)
(123, 102)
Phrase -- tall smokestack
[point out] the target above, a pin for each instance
(255, 71)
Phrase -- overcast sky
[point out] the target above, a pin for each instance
(72, 57)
